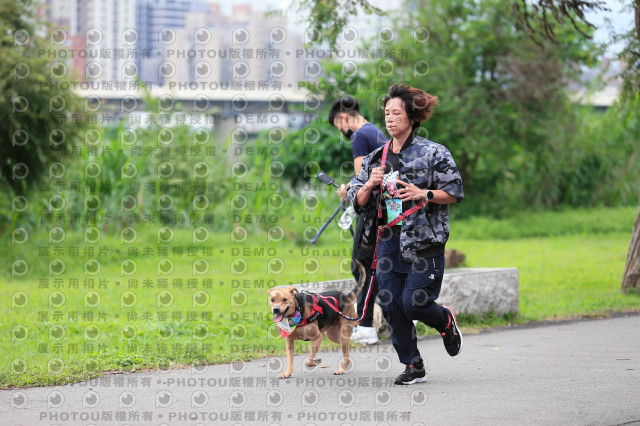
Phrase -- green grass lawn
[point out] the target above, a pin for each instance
(560, 276)
(187, 312)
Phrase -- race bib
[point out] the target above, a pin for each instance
(393, 203)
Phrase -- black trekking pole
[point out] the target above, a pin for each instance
(329, 181)
(324, 225)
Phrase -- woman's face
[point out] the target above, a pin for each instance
(396, 118)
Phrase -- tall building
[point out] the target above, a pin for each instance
(107, 27)
(268, 49)
(202, 45)
(61, 13)
(63, 16)
(178, 41)
(197, 37)
(157, 23)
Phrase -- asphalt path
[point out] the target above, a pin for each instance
(582, 372)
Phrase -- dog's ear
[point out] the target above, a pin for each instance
(293, 291)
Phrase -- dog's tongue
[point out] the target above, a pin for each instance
(277, 317)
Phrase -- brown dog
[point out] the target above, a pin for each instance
(318, 318)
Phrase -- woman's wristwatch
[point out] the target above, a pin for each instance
(428, 195)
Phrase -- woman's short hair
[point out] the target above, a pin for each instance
(418, 103)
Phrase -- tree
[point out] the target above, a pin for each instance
(573, 10)
(36, 100)
(540, 17)
(547, 12)
(327, 18)
(631, 276)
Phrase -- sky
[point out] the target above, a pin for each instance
(620, 20)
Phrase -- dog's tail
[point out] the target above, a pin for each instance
(351, 297)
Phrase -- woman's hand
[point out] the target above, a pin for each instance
(410, 192)
(362, 196)
(376, 177)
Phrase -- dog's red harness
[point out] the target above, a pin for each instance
(316, 309)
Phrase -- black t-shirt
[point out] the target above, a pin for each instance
(392, 164)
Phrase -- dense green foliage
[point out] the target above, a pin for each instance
(36, 103)
(163, 175)
(327, 19)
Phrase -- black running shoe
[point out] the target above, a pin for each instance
(411, 375)
(451, 335)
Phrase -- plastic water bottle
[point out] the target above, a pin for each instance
(347, 218)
